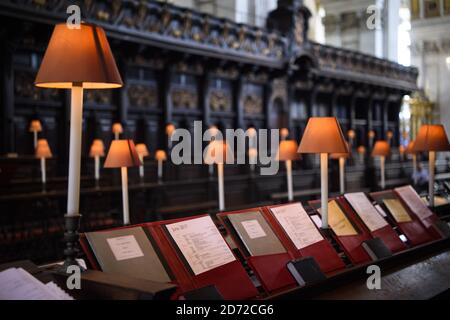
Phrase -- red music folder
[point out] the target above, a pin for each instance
(230, 279)
(412, 200)
(352, 236)
(407, 223)
(321, 250)
(372, 220)
(263, 250)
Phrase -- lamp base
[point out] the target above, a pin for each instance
(72, 224)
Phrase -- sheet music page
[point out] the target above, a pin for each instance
(297, 224)
(18, 284)
(201, 244)
(412, 199)
(397, 210)
(338, 221)
(253, 229)
(125, 247)
(366, 211)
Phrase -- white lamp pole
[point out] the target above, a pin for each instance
(160, 169)
(126, 209)
(141, 166)
(342, 174)
(97, 167)
(35, 138)
(221, 187)
(43, 171)
(431, 168)
(383, 181)
(324, 188)
(289, 180)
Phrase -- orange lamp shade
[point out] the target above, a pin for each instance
(381, 148)
(389, 134)
(284, 132)
(410, 148)
(160, 155)
(170, 128)
(35, 126)
(253, 152)
(323, 135)
(371, 134)
(218, 152)
(97, 149)
(43, 149)
(351, 133)
(78, 56)
(431, 138)
(361, 150)
(288, 150)
(340, 155)
(142, 150)
(117, 128)
(251, 132)
(122, 153)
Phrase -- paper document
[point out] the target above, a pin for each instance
(297, 225)
(366, 211)
(201, 244)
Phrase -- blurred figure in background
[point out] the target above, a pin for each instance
(420, 178)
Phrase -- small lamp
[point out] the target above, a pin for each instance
(389, 136)
(122, 154)
(217, 153)
(213, 131)
(43, 152)
(35, 127)
(351, 134)
(160, 156)
(252, 158)
(431, 138)
(77, 59)
(251, 137)
(341, 157)
(401, 151)
(284, 133)
(381, 150)
(410, 150)
(371, 135)
(362, 152)
(117, 129)
(97, 150)
(142, 152)
(323, 135)
(287, 151)
(170, 129)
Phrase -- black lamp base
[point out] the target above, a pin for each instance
(71, 237)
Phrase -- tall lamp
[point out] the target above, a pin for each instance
(410, 150)
(287, 152)
(122, 154)
(142, 152)
(323, 135)
(35, 127)
(117, 130)
(341, 157)
(431, 138)
(217, 153)
(160, 156)
(371, 135)
(252, 158)
(97, 150)
(43, 152)
(284, 133)
(362, 152)
(351, 134)
(170, 129)
(381, 150)
(77, 59)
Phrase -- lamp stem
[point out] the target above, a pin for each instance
(383, 181)
(169, 142)
(43, 171)
(160, 169)
(414, 159)
(141, 167)
(116, 136)
(289, 180)
(97, 167)
(342, 175)
(211, 169)
(324, 188)
(76, 118)
(431, 167)
(220, 185)
(126, 209)
(35, 138)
